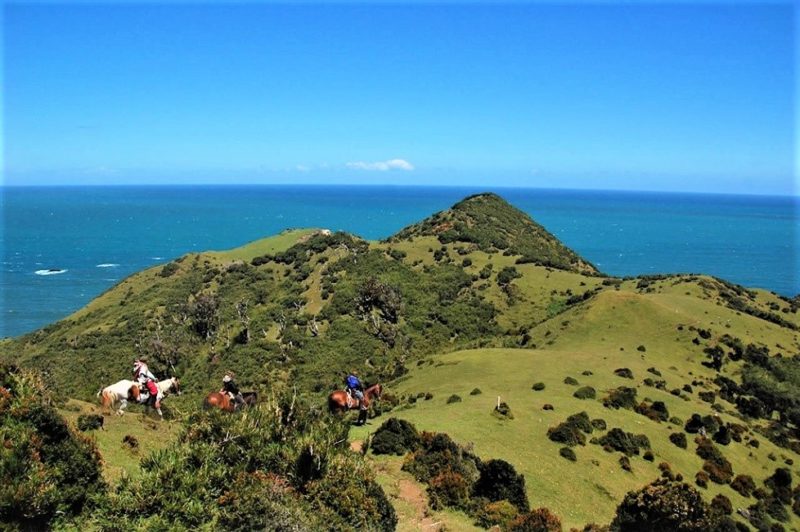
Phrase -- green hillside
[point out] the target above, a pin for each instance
(476, 297)
(491, 224)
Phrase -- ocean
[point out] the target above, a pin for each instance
(63, 246)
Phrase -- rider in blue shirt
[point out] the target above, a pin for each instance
(355, 388)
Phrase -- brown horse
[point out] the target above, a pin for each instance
(340, 401)
(224, 402)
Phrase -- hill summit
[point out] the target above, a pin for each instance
(492, 224)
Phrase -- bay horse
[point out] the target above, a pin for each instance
(123, 391)
(341, 401)
(224, 402)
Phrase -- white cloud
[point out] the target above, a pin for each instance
(302, 168)
(382, 166)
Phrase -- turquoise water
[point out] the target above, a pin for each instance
(92, 237)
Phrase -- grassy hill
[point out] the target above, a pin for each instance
(478, 296)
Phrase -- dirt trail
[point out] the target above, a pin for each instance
(412, 494)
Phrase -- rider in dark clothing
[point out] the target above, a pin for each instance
(230, 387)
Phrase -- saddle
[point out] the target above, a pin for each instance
(352, 400)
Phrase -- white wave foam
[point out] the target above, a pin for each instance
(51, 271)
(157, 258)
(107, 265)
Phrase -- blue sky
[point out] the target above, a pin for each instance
(682, 97)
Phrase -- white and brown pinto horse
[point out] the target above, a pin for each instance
(125, 390)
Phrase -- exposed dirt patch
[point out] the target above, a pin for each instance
(411, 493)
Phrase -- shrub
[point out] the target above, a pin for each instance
(641, 348)
(568, 453)
(46, 469)
(716, 465)
(211, 477)
(88, 422)
(498, 513)
(709, 424)
(625, 463)
(453, 399)
(654, 371)
(503, 411)
(657, 411)
(538, 387)
(539, 520)
(395, 436)
(721, 505)
(649, 456)
(499, 480)
(599, 424)
(130, 441)
(663, 506)
(625, 373)
(708, 397)
(570, 432)
(439, 453)
(622, 397)
(571, 381)
(586, 392)
(679, 439)
(723, 435)
(449, 488)
(618, 440)
(701, 479)
(476, 391)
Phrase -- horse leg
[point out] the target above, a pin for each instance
(123, 404)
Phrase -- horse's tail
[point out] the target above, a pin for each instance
(107, 398)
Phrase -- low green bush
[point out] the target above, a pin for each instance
(395, 436)
(586, 392)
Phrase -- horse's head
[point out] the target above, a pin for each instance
(133, 393)
(176, 385)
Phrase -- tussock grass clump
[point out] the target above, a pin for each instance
(570, 381)
(87, 422)
(130, 441)
(395, 436)
(476, 391)
(622, 397)
(503, 411)
(453, 399)
(585, 392)
(538, 387)
(599, 424)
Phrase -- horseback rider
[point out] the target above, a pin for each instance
(229, 387)
(355, 389)
(142, 375)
